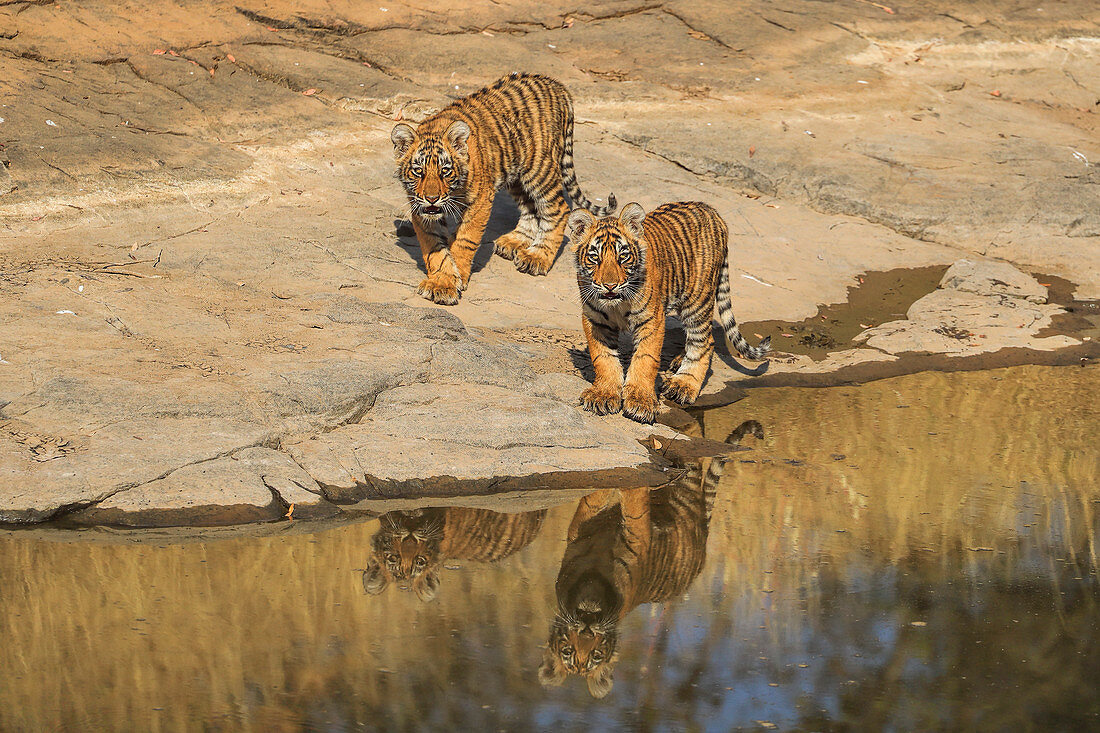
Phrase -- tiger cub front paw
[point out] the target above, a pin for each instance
(681, 389)
(640, 403)
(439, 289)
(602, 400)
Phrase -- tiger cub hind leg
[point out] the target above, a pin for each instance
(692, 367)
(551, 213)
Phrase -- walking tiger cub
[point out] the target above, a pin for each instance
(410, 547)
(516, 133)
(647, 548)
(631, 271)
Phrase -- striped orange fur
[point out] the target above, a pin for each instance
(517, 133)
(631, 271)
(647, 547)
(625, 549)
(410, 547)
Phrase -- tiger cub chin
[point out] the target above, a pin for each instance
(634, 269)
(517, 133)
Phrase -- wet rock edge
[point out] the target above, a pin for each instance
(338, 505)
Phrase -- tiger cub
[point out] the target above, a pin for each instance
(648, 548)
(410, 546)
(516, 133)
(631, 271)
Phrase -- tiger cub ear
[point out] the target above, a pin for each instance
(402, 137)
(457, 135)
(632, 217)
(578, 223)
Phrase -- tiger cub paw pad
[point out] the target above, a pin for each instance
(439, 290)
(681, 389)
(601, 401)
(640, 404)
(533, 261)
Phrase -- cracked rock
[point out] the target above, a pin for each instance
(221, 491)
(429, 435)
(986, 278)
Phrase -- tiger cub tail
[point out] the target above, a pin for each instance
(569, 175)
(729, 323)
(710, 480)
(717, 466)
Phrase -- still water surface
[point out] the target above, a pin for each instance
(917, 553)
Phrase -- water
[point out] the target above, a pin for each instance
(917, 553)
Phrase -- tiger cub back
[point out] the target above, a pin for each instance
(634, 269)
(410, 547)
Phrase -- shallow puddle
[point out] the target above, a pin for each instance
(918, 553)
(878, 297)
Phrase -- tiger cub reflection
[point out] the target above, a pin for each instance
(648, 547)
(410, 547)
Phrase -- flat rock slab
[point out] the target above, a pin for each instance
(88, 466)
(252, 485)
(431, 439)
(359, 400)
(989, 277)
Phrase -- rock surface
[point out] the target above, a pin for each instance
(977, 304)
(429, 437)
(207, 307)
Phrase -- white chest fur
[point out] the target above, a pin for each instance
(616, 315)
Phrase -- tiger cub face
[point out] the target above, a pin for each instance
(405, 551)
(610, 255)
(584, 637)
(433, 167)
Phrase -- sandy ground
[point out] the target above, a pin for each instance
(202, 266)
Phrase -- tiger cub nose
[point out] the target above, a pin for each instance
(431, 199)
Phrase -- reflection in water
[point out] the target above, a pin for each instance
(411, 546)
(918, 553)
(624, 550)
